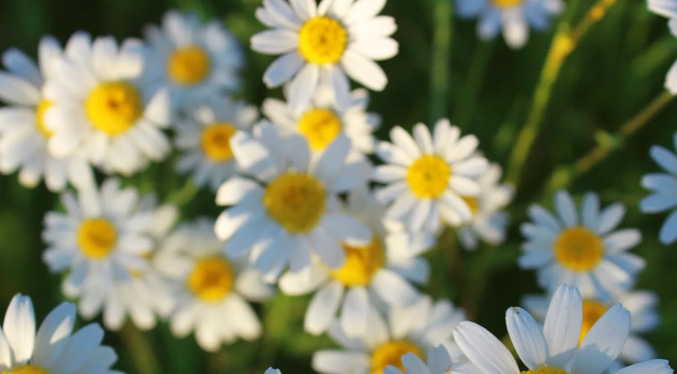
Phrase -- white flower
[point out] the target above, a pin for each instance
(664, 188)
(488, 221)
(288, 211)
(553, 348)
(99, 106)
(273, 371)
(212, 290)
(665, 8)
(204, 137)
(103, 237)
(648, 367)
(370, 278)
(428, 175)
(196, 61)
(54, 349)
(321, 122)
(582, 251)
(514, 17)
(640, 304)
(322, 43)
(438, 362)
(409, 330)
(23, 133)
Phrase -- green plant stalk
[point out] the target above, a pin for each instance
(564, 175)
(439, 70)
(468, 100)
(141, 350)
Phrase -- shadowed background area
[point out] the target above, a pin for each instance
(616, 71)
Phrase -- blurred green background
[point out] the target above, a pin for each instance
(618, 68)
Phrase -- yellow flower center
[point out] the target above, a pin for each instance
(472, 203)
(189, 65)
(593, 310)
(361, 264)
(545, 370)
(320, 127)
(114, 107)
(97, 238)
(578, 249)
(40, 117)
(216, 141)
(211, 279)
(27, 369)
(296, 201)
(428, 177)
(506, 3)
(322, 40)
(391, 353)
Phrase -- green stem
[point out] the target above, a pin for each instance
(478, 281)
(184, 195)
(439, 69)
(473, 84)
(141, 350)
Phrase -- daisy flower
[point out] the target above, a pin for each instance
(54, 348)
(204, 138)
(438, 362)
(514, 17)
(642, 308)
(408, 330)
(273, 371)
(488, 221)
(102, 237)
(371, 276)
(321, 122)
(322, 43)
(288, 210)
(665, 8)
(100, 108)
(195, 61)
(584, 250)
(664, 188)
(428, 176)
(553, 348)
(212, 290)
(23, 133)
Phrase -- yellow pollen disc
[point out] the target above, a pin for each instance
(189, 65)
(428, 177)
(322, 40)
(578, 249)
(114, 107)
(361, 264)
(40, 117)
(473, 204)
(593, 310)
(506, 3)
(391, 353)
(545, 370)
(27, 369)
(216, 141)
(320, 127)
(211, 279)
(97, 238)
(296, 201)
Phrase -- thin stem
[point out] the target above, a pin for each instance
(439, 70)
(141, 350)
(185, 194)
(468, 101)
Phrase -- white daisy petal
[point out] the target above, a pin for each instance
(484, 350)
(603, 342)
(527, 337)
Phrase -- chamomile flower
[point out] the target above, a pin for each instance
(99, 106)
(322, 43)
(513, 17)
(581, 249)
(553, 348)
(665, 8)
(102, 237)
(438, 362)
(204, 138)
(664, 191)
(195, 60)
(212, 290)
(54, 349)
(408, 330)
(321, 122)
(642, 308)
(370, 278)
(428, 176)
(273, 371)
(288, 210)
(488, 220)
(23, 133)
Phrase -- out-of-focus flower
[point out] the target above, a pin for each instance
(438, 362)
(664, 188)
